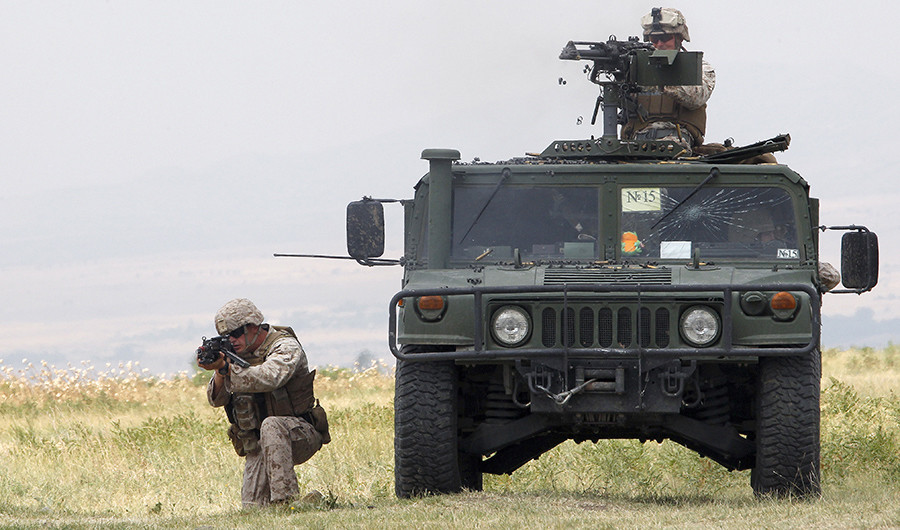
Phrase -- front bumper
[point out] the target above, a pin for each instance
(636, 294)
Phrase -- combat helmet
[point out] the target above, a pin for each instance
(237, 313)
(665, 20)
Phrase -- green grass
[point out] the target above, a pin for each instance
(91, 450)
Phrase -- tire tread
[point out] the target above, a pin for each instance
(788, 418)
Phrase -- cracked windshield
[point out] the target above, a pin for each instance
(555, 223)
(723, 223)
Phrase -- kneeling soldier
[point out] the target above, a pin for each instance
(276, 422)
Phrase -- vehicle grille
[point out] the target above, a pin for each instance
(605, 327)
(608, 276)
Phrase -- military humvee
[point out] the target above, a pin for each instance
(607, 288)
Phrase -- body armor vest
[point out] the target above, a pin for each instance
(246, 411)
(296, 397)
(662, 107)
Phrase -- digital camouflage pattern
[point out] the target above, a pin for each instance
(269, 476)
(284, 441)
(670, 21)
(236, 313)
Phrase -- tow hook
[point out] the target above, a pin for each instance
(560, 399)
(672, 378)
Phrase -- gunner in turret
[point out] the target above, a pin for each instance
(676, 113)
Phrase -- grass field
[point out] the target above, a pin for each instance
(81, 448)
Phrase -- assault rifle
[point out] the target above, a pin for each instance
(208, 352)
(731, 156)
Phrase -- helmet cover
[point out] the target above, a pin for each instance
(237, 313)
(669, 20)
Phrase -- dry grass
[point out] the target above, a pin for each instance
(86, 449)
(871, 372)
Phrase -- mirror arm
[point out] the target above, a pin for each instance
(385, 201)
(858, 228)
(321, 256)
(847, 291)
(367, 262)
(376, 262)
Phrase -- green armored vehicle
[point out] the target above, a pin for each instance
(607, 288)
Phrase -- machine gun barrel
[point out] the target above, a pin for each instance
(610, 56)
(600, 50)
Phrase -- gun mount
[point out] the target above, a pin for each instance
(621, 69)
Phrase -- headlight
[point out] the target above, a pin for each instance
(700, 326)
(510, 325)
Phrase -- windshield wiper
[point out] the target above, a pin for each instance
(503, 176)
(714, 172)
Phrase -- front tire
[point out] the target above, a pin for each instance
(426, 453)
(787, 436)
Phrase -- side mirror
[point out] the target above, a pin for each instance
(859, 260)
(365, 229)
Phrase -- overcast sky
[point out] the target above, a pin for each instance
(154, 155)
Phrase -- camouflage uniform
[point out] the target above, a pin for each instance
(692, 98)
(284, 441)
